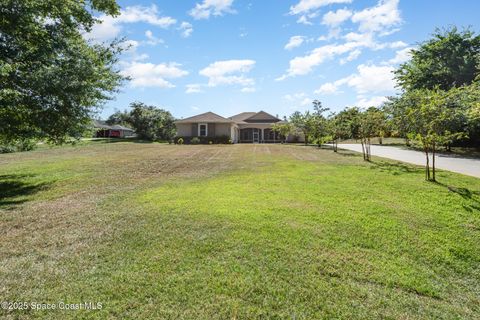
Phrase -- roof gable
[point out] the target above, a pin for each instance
(205, 117)
(242, 116)
(262, 116)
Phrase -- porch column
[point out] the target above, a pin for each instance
(263, 137)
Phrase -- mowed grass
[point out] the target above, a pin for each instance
(236, 232)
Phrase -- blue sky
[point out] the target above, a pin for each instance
(230, 56)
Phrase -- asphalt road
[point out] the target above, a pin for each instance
(452, 163)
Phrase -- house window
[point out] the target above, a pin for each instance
(202, 130)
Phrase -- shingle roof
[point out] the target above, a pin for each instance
(119, 127)
(100, 124)
(256, 116)
(242, 116)
(262, 115)
(205, 117)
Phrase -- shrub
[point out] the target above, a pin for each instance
(7, 149)
(26, 145)
(210, 142)
(230, 141)
(223, 139)
(195, 140)
(180, 141)
(18, 146)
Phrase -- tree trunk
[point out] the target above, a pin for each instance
(335, 145)
(448, 147)
(427, 166)
(368, 149)
(407, 142)
(433, 162)
(363, 149)
(380, 140)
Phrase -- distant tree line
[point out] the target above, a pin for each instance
(439, 104)
(149, 122)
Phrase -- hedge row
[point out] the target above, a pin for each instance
(203, 140)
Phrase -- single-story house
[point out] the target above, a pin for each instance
(103, 130)
(246, 127)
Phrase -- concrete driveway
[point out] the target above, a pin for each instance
(453, 163)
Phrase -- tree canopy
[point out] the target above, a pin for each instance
(450, 59)
(51, 78)
(149, 122)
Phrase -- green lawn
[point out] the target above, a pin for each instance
(235, 232)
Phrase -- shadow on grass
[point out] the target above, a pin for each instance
(345, 153)
(15, 189)
(115, 140)
(395, 168)
(467, 194)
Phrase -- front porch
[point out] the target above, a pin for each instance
(259, 135)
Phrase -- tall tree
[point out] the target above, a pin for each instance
(303, 122)
(284, 129)
(450, 59)
(119, 117)
(51, 78)
(430, 115)
(371, 124)
(319, 130)
(151, 123)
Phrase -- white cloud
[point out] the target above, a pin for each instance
(229, 72)
(305, 6)
(367, 102)
(307, 9)
(193, 88)
(304, 65)
(294, 42)
(351, 56)
(334, 19)
(397, 44)
(401, 56)
(298, 99)
(379, 18)
(110, 27)
(327, 88)
(304, 20)
(211, 7)
(152, 40)
(153, 75)
(186, 29)
(248, 90)
(130, 46)
(368, 79)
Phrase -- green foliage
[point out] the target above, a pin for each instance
(17, 145)
(224, 139)
(450, 59)
(151, 123)
(120, 118)
(179, 141)
(312, 125)
(445, 68)
(51, 79)
(284, 129)
(433, 117)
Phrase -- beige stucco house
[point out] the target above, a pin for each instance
(244, 127)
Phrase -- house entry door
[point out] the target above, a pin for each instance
(255, 136)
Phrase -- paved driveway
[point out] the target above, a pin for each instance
(453, 163)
